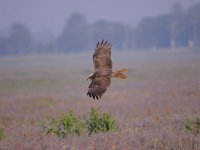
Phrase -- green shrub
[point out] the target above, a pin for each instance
(100, 122)
(193, 126)
(68, 124)
(1, 133)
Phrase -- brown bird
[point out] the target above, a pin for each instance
(101, 78)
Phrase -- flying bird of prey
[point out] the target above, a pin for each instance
(101, 78)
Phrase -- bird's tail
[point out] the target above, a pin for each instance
(119, 73)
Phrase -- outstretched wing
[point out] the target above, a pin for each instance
(102, 58)
(98, 86)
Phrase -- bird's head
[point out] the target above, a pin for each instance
(90, 76)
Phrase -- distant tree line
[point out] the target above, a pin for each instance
(176, 29)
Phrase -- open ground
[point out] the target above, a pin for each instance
(161, 92)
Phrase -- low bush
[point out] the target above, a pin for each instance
(94, 122)
(1, 133)
(69, 123)
(193, 126)
(99, 122)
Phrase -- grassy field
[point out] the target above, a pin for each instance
(151, 106)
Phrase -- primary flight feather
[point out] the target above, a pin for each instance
(101, 78)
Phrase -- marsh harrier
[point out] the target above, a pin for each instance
(101, 78)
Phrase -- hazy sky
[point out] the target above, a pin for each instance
(52, 14)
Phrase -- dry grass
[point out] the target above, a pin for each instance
(151, 106)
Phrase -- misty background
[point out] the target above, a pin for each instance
(47, 26)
